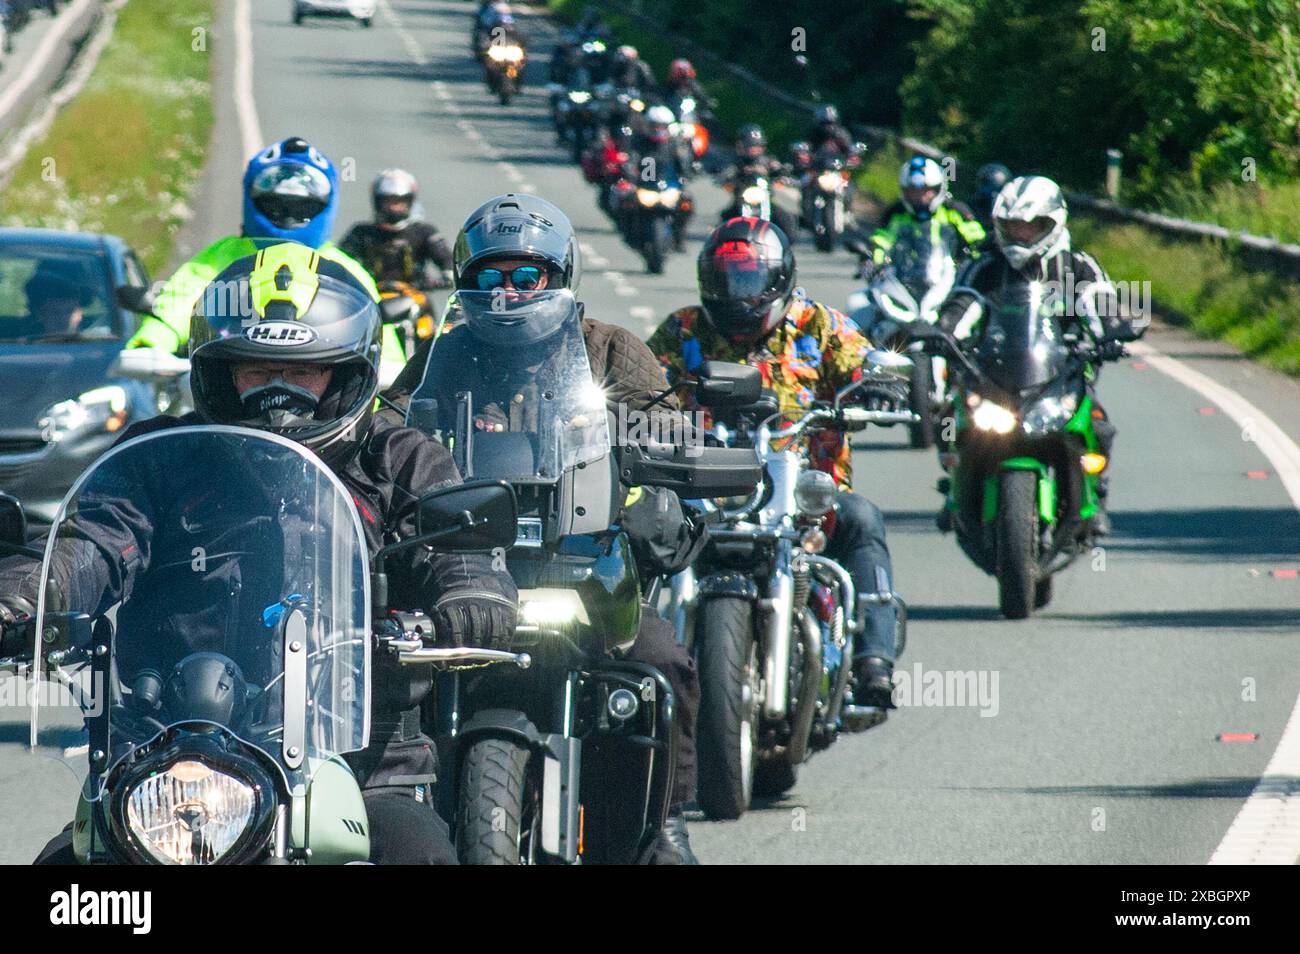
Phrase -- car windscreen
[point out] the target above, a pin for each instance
(52, 294)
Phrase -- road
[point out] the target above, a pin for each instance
(1100, 744)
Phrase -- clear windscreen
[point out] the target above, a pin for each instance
(1022, 346)
(182, 569)
(510, 388)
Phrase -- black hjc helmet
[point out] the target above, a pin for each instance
(746, 274)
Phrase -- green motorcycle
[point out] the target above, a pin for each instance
(1024, 462)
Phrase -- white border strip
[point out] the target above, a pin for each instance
(10, 96)
(1267, 828)
(250, 130)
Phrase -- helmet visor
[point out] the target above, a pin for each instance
(1020, 232)
(290, 195)
(516, 319)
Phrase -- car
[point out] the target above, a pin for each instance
(67, 387)
(361, 10)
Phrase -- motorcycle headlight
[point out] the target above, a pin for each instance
(752, 196)
(647, 197)
(579, 96)
(103, 409)
(1050, 413)
(988, 416)
(190, 814)
(814, 493)
(669, 197)
(829, 181)
(553, 609)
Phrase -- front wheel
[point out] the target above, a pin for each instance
(656, 246)
(496, 811)
(727, 727)
(919, 390)
(1017, 542)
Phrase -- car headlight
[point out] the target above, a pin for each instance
(190, 814)
(814, 493)
(752, 196)
(829, 181)
(647, 197)
(102, 409)
(1050, 413)
(988, 416)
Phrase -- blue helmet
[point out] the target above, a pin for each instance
(291, 193)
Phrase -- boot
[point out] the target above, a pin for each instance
(874, 682)
(673, 847)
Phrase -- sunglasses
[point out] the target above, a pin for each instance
(524, 277)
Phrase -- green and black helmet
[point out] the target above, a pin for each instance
(288, 306)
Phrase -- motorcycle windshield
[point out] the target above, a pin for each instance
(921, 262)
(511, 389)
(208, 577)
(1022, 348)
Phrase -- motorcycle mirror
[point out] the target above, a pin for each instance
(726, 384)
(135, 298)
(13, 521)
(899, 365)
(476, 517)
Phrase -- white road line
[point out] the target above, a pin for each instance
(250, 130)
(40, 56)
(1267, 829)
(625, 291)
(527, 187)
(617, 278)
(644, 312)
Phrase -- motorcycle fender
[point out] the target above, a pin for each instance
(728, 584)
(337, 830)
(1046, 488)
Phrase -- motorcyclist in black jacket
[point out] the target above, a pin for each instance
(828, 132)
(399, 246)
(320, 393)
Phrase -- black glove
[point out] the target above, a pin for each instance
(473, 618)
(15, 637)
(1111, 350)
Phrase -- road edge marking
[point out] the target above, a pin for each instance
(1266, 829)
(43, 51)
(250, 129)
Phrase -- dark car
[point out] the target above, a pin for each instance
(65, 392)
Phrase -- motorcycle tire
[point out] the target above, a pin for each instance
(775, 776)
(1017, 543)
(727, 725)
(920, 386)
(495, 786)
(506, 94)
(656, 248)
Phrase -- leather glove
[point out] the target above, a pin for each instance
(473, 618)
(15, 639)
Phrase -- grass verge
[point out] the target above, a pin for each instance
(122, 156)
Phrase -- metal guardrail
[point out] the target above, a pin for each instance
(1255, 252)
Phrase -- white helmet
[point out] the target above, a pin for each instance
(918, 175)
(1029, 220)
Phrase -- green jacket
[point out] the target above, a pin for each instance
(953, 223)
(168, 328)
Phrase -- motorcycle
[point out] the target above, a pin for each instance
(825, 198)
(650, 216)
(771, 620)
(572, 760)
(503, 67)
(215, 733)
(910, 287)
(1023, 470)
(753, 196)
(689, 128)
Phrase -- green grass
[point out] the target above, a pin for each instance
(122, 156)
(1268, 209)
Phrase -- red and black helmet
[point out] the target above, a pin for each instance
(746, 274)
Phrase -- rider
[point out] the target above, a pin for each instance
(752, 159)
(989, 181)
(827, 133)
(925, 204)
(1032, 244)
(399, 246)
(629, 71)
(290, 194)
(656, 155)
(751, 312)
(321, 394)
(682, 84)
(520, 243)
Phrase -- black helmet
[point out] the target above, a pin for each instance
(288, 305)
(751, 140)
(827, 114)
(746, 276)
(517, 226)
(991, 177)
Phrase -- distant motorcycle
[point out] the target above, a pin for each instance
(651, 213)
(825, 199)
(503, 66)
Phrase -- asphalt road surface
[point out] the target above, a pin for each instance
(1097, 742)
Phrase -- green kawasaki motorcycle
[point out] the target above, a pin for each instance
(1023, 458)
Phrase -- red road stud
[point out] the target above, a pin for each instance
(1206, 411)
(1237, 737)
(1139, 365)
(1257, 474)
(1285, 574)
